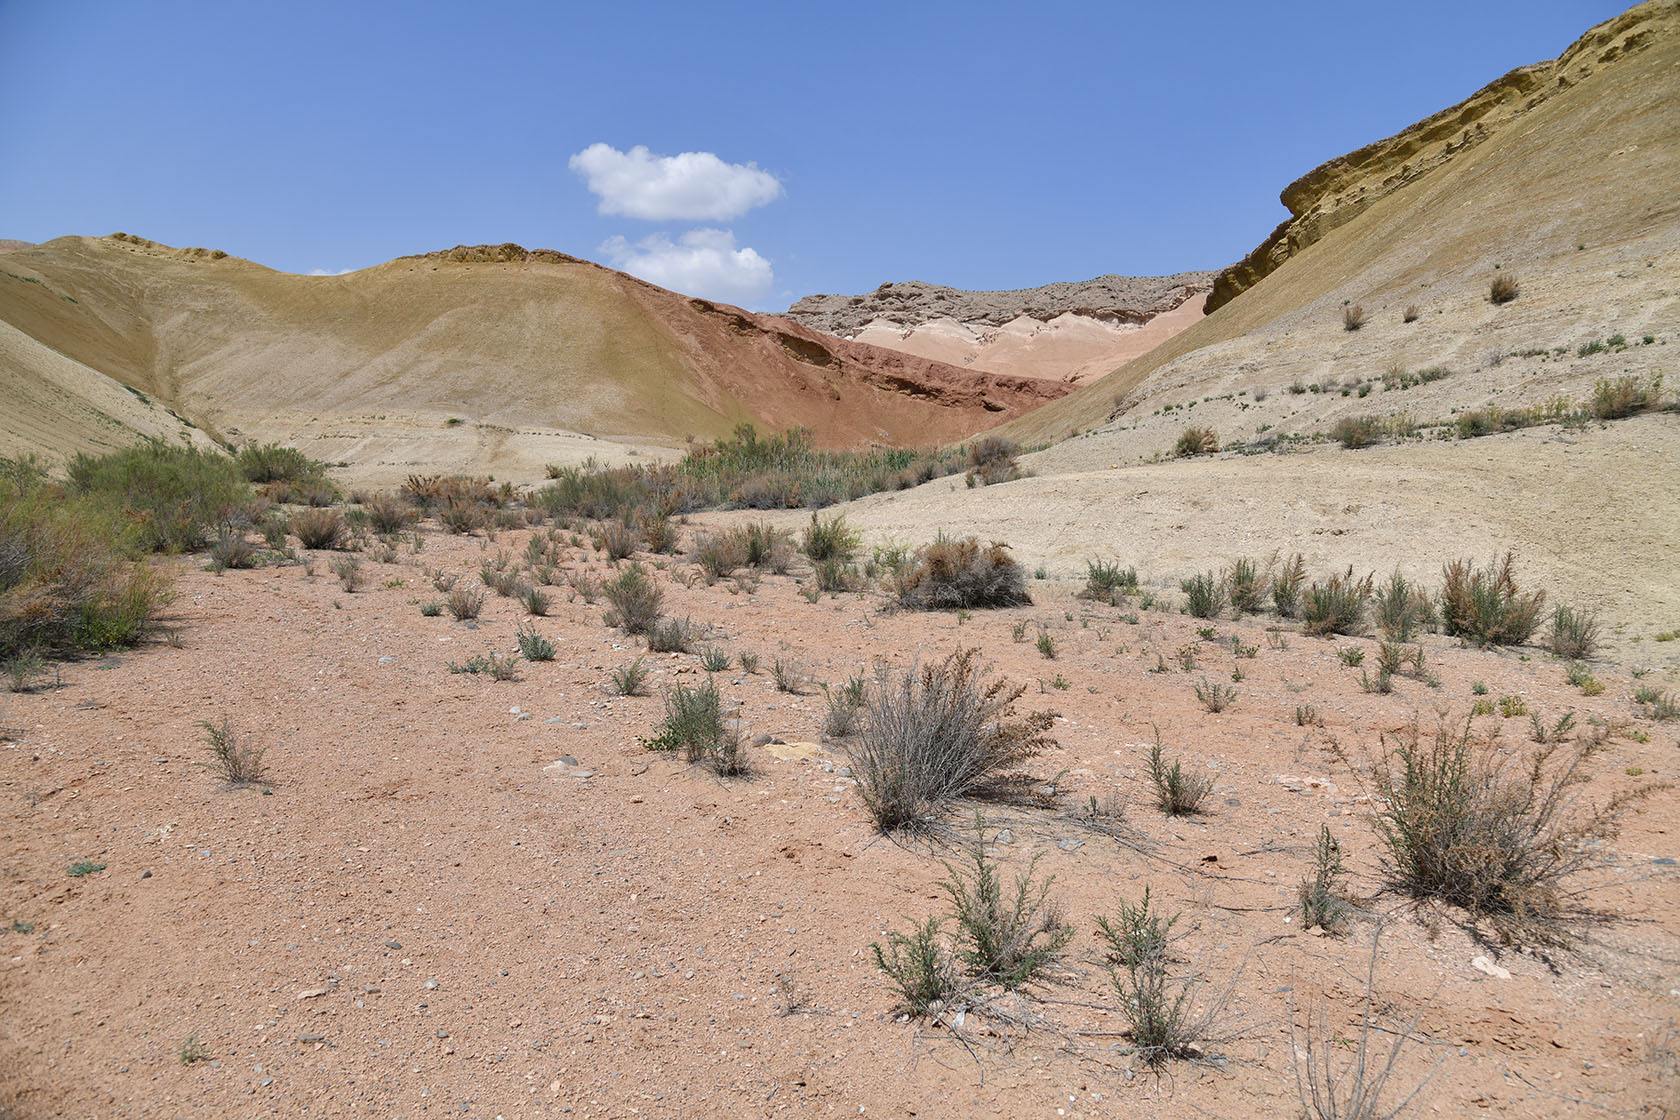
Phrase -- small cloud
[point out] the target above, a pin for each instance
(702, 262)
(693, 186)
(325, 272)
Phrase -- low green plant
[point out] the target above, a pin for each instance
(921, 969)
(1214, 696)
(533, 646)
(431, 608)
(1306, 715)
(85, 867)
(630, 679)
(1204, 595)
(715, 660)
(236, 760)
(1352, 656)
(670, 635)
(1322, 900)
(348, 570)
(1007, 937)
(1512, 706)
(1177, 793)
(1107, 581)
(788, 675)
(1046, 645)
(829, 539)
(844, 703)
(495, 666)
(193, 1051)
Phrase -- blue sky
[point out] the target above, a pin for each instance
(835, 146)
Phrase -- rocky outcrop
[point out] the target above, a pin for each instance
(1336, 192)
(1122, 299)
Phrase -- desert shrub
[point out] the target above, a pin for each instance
(464, 602)
(348, 570)
(22, 669)
(462, 517)
(1046, 645)
(919, 966)
(533, 646)
(390, 514)
(233, 550)
(1613, 400)
(1353, 317)
(1411, 314)
(1402, 608)
(1007, 937)
(833, 575)
(1337, 605)
(656, 530)
(1494, 833)
(318, 528)
(179, 496)
(1354, 432)
(1204, 595)
(764, 546)
(1485, 606)
(694, 724)
(719, 554)
(536, 600)
(843, 705)
(670, 635)
(1196, 441)
(788, 675)
(934, 733)
(992, 460)
(1214, 696)
(1245, 585)
(1108, 581)
(636, 600)
(67, 580)
(1287, 586)
(237, 761)
(629, 679)
(1165, 1018)
(829, 539)
(1504, 288)
(493, 665)
(1322, 899)
(1179, 794)
(618, 539)
(959, 574)
(1574, 632)
(271, 462)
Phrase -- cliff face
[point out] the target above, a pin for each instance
(1116, 299)
(1333, 194)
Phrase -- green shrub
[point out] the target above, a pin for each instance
(933, 734)
(533, 646)
(237, 761)
(1484, 605)
(1008, 937)
(694, 724)
(1322, 899)
(1179, 794)
(670, 635)
(636, 600)
(1214, 696)
(1166, 1021)
(179, 495)
(829, 539)
(1402, 608)
(270, 462)
(1246, 585)
(719, 554)
(67, 580)
(1337, 605)
(630, 679)
(844, 703)
(1204, 595)
(1613, 400)
(1354, 432)
(921, 970)
(1108, 581)
(959, 574)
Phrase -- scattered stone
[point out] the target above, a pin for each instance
(1483, 964)
(430, 985)
(393, 944)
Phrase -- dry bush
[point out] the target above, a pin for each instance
(1410, 315)
(992, 460)
(1402, 608)
(1246, 585)
(618, 539)
(1614, 400)
(1287, 586)
(232, 550)
(1574, 633)
(1353, 317)
(1493, 832)
(719, 554)
(636, 600)
(935, 733)
(390, 514)
(1354, 432)
(1504, 288)
(318, 528)
(1196, 441)
(1484, 605)
(238, 761)
(959, 574)
(465, 602)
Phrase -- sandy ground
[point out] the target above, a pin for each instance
(426, 916)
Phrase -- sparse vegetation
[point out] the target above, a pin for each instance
(318, 528)
(1287, 587)
(236, 760)
(1354, 432)
(934, 733)
(1246, 585)
(1108, 582)
(1006, 937)
(1178, 793)
(1402, 608)
(992, 460)
(1214, 696)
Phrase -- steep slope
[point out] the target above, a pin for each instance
(513, 346)
(1573, 195)
(1066, 332)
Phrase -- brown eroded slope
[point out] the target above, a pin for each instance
(523, 349)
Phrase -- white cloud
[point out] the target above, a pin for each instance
(325, 272)
(693, 186)
(703, 262)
